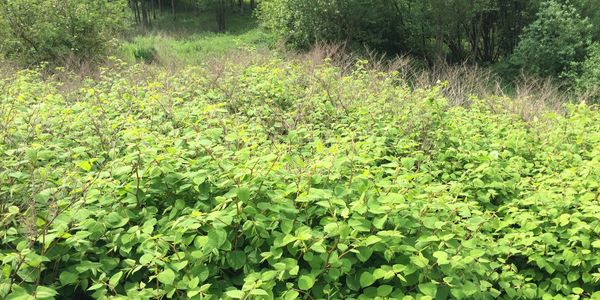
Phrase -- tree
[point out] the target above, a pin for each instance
(453, 30)
(220, 6)
(589, 80)
(555, 42)
(54, 30)
(303, 22)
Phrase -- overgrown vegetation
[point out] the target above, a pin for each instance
(192, 39)
(155, 149)
(290, 180)
(545, 38)
(555, 43)
(34, 31)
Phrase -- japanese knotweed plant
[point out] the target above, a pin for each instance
(280, 181)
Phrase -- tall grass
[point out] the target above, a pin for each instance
(192, 39)
(526, 96)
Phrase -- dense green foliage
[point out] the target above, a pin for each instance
(555, 42)
(590, 71)
(302, 23)
(35, 31)
(285, 180)
(484, 30)
(546, 38)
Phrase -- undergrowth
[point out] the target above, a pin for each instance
(191, 39)
(291, 180)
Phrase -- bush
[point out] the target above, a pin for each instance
(303, 23)
(280, 180)
(33, 31)
(589, 81)
(555, 42)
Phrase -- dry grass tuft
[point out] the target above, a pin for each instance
(527, 97)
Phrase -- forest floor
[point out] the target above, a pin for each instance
(191, 38)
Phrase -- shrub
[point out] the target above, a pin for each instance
(34, 31)
(555, 42)
(278, 180)
(589, 81)
(358, 22)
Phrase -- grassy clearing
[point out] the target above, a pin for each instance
(191, 39)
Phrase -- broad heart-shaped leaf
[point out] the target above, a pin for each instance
(122, 170)
(428, 289)
(85, 165)
(236, 259)
(384, 290)
(306, 282)
(366, 279)
(596, 244)
(291, 295)
(67, 277)
(441, 256)
(216, 238)
(43, 292)
(419, 260)
(116, 220)
(243, 193)
(167, 276)
(364, 253)
(19, 293)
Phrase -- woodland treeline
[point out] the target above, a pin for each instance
(545, 38)
(144, 11)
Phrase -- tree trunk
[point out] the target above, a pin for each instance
(173, 8)
(136, 11)
(220, 15)
(252, 4)
(153, 9)
(145, 19)
(241, 7)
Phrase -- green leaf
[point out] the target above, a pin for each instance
(43, 292)
(236, 259)
(578, 291)
(167, 276)
(419, 260)
(379, 222)
(67, 277)
(442, 257)
(332, 229)
(235, 294)
(85, 165)
(259, 292)
(372, 239)
(306, 282)
(243, 194)
(428, 289)
(596, 244)
(114, 280)
(146, 259)
(19, 293)
(291, 295)
(116, 220)
(384, 290)
(366, 279)
(122, 170)
(216, 238)
(364, 253)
